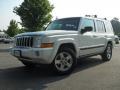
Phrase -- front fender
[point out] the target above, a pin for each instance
(59, 42)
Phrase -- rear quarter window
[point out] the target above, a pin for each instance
(100, 26)
(108, 27)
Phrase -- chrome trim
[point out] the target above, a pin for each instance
(25, 41)
(91, 47)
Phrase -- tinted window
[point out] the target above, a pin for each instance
(88, 23)
(100, 26)
(64, 24)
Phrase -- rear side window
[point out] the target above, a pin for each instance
(88, 23)
(100, 26)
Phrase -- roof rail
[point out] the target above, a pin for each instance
(95, 16)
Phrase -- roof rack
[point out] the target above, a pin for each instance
(95, 16)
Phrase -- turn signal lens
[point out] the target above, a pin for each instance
(46, 45)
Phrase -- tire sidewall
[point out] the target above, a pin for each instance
(104, 56)
(72, 53)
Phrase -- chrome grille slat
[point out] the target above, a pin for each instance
(28, 41)
(20, 42)
(25, 41)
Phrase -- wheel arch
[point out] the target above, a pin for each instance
(110, 42)
(69, 45)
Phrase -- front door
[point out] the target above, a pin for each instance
(88, 41)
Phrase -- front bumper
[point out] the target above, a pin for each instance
(35, 55)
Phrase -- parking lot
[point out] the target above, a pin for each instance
(90, 74)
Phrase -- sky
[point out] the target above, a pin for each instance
(64, 8)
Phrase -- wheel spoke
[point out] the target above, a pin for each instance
(57, 61)
(68, 58)
(62, 66)
(68, 64)
(109, 52)
(62, 56)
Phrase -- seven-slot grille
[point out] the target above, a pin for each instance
(25, 41)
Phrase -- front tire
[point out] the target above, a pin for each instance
(107, 55)
(65, 61)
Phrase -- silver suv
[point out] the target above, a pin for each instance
(64, 41)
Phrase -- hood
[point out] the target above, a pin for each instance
(50, 32)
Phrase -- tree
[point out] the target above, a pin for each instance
(22, 30)
(115, 18)
(34, 14)
(12, 28)
(116, 25)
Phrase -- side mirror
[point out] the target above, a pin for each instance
(86, 29)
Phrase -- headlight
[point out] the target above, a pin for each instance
(37, 40)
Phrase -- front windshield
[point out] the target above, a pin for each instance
(64, 24)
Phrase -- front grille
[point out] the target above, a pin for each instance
(25, 41)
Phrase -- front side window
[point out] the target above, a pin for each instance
(87, 23)
(64, 24)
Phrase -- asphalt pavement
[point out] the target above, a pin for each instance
(90, 74)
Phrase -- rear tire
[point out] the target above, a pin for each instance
(65, 61)
(107, 55)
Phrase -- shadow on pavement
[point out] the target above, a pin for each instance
(22, 78)
(86, 63)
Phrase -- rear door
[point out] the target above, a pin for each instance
(101, 35)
